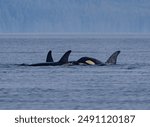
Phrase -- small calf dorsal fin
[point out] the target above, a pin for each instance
(49, 57)
(113, 58)
(64, 58)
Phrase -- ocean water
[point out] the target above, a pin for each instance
(122, 86)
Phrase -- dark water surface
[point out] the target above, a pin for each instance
(122, 86)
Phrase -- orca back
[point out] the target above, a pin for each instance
(89, 61)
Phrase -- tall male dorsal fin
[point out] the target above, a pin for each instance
(113, 58)
(49, 57)
(64, 58)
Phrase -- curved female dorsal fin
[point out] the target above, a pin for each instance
(113, 58)
(64, 58)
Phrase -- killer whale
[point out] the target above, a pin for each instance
(50, 62)
(82, 61)
(93, 61)
(49, 58)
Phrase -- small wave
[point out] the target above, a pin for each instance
(135, 66)
(12, 65)
(8, 65)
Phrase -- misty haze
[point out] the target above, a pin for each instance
(75, 16)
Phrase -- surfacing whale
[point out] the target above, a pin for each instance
(50, 62)
(92, 61)
(82, 61)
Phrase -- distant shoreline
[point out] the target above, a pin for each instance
(75, 35)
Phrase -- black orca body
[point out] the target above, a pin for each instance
(50, 62)
(92, 61)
